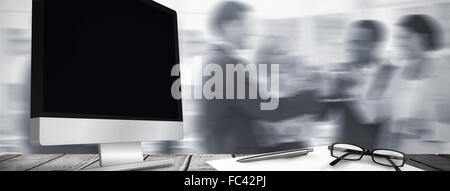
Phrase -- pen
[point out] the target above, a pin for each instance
(278, 154)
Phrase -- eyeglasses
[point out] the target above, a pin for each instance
(352, 152)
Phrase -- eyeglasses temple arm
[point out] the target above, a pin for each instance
(341, 157)
(393, 164)
(332, 163)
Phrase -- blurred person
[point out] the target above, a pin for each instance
(15, 64)
(14, 83)
(359, 84)
(294, 76)
(292, 71)
(227, 123)
(418, 95)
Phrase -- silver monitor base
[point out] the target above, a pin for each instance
(125, 157)
(120, 153)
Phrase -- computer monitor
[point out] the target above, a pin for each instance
(101, 74)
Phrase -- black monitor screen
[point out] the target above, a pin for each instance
(108, 59)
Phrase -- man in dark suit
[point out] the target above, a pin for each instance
(227, 123)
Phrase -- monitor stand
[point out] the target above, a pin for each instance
(120, 153)
(125, 156)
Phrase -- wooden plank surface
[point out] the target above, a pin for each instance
(198, 162)
(68, 163)
(14, 162)
(26, 162)
(434, 161)
(96, 164)
(446, 156)
(8, 156)
(180, 162)
(410, 161)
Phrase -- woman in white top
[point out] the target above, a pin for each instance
(417, 89)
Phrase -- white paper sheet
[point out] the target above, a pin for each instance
(318, 160)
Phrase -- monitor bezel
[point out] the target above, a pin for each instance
(37, 69)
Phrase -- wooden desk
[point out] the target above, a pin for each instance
(69, 162)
